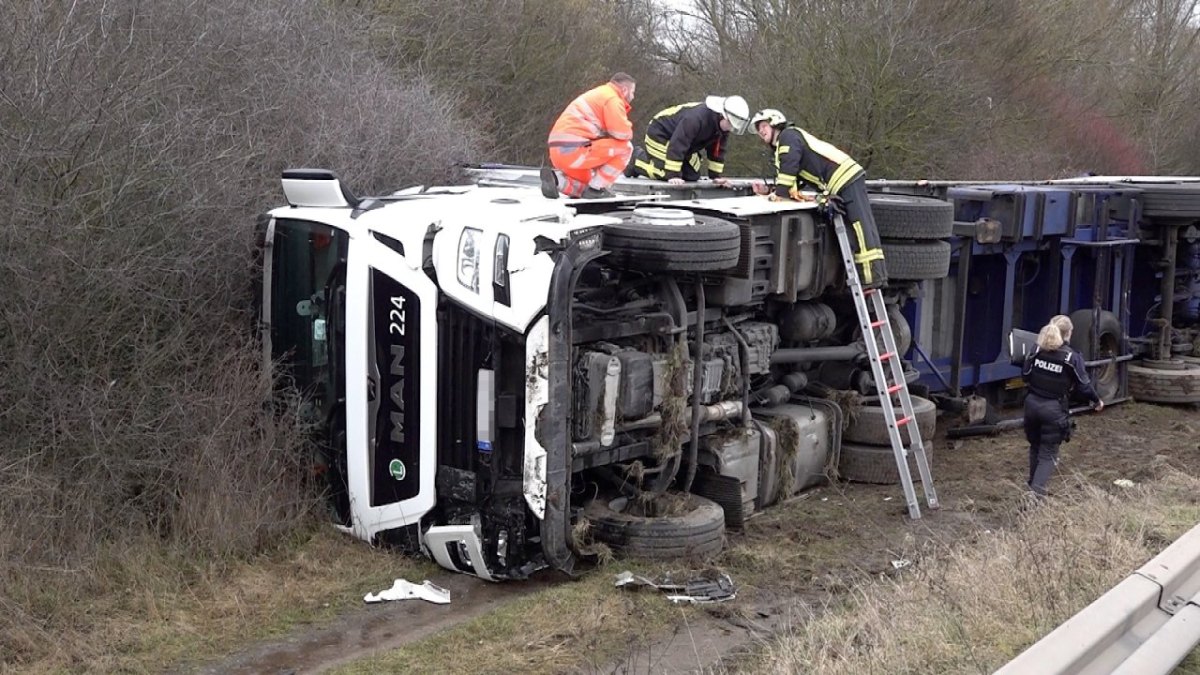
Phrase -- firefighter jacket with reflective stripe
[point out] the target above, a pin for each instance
(597, 113)
(679, 132)
(1054, 373)
(802, 157)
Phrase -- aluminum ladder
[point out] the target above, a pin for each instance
(889, 377)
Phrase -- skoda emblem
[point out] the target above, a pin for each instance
(396, 468)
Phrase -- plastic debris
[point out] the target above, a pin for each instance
(1123, 482)
(706, 587)
(901, 563)
(404, 590)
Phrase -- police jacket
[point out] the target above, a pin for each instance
(1056, 373)
(802, 157)
(677, 133)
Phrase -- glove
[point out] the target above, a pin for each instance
(829, 205)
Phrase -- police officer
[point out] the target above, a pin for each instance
(1051, 374)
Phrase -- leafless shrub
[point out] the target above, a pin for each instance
(139, 140)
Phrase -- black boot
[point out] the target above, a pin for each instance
(592, 193)
(549, 183)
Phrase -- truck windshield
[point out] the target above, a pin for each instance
(308, 274)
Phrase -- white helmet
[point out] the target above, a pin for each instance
(734, 108)
(770, 116)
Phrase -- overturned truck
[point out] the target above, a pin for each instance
(508, 383)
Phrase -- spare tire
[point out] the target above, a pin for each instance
(909, 217)
(876, 464)
(673, 240)
(916, 260)
(1175, 382)
(868, 425)
(1174, 203)
(1106, 378)
(694, 527)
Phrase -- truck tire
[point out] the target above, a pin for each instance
(868, 426)
(1107, 378)
(1165, 384)
(876, 464)
(916, 260)
(909, 217)
(707, 245)
(1175, 203)
(697, 530)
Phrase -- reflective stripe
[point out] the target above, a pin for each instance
(655, 148)
(609, 171)
(673, 165)
(845, 173)
(865, 256)
(815, 180)
(824, 149)
(719, 167)
(649, 168)
(572, 187)
(559, 137)
(785, 180)
(674, 109)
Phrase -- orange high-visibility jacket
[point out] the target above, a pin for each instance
(597, 113)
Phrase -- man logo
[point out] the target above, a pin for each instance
(396, 468)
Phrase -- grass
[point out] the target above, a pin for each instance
(145, 609)
(973, 605)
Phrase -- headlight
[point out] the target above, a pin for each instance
(468, 259)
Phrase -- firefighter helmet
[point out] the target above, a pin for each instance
(733, 108)
(770, 116)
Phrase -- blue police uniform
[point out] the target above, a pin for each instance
(1051, 376)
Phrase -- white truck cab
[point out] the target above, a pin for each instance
(488, 368)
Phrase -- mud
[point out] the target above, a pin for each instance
(375, 628)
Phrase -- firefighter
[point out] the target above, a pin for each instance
(676, 137)
(591, 142)
(1051, 374)
(802, 159)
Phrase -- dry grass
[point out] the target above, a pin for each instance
(973, 605)
(145, 611)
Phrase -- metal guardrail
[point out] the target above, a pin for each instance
(1144, 625)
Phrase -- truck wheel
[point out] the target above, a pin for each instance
(916, 260)
(909, 217)
(691, 527)
(1106, 379)
(701, 245)
(876, 464)
(1172, 382)
(867, 424)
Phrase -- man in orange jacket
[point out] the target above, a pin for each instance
(591, 142)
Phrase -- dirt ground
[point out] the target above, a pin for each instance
(791, 562)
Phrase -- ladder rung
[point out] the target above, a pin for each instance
(895, 388)
(902, 421)
(886, 355)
